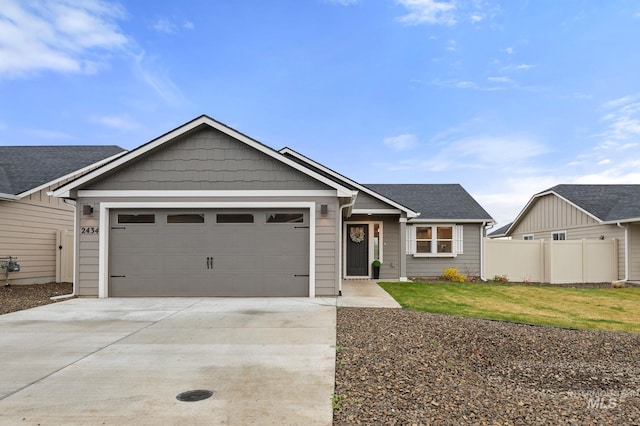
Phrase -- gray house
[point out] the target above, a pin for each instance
(205, 210)
(33, 225)
(576, 212)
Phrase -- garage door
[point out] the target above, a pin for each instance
(209, 253)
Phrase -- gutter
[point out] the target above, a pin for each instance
(349, 205)
(626, 253)
(75, 248)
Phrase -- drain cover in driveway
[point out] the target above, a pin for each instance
(194, 395)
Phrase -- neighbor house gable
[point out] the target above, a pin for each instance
(175, 136)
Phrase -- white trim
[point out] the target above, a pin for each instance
(457, 240)
(105, 207)
(9, 197)
(449, 220)
(64, 190)
(410, 213)
(376, 211)
(204, 193)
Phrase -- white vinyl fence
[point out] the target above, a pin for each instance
(554, 262)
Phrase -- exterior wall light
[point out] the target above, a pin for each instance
(87, 210)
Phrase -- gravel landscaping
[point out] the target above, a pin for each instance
(396, 366)
(17, 297)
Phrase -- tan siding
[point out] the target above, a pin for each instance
(551, 213)
(28, 229)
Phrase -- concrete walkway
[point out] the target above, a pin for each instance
(365, 294)
(124, 361)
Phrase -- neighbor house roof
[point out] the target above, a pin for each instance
(605, 203)
(26, 169)
(435, 201)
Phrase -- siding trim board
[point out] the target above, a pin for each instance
(103, 270)
(205, 193)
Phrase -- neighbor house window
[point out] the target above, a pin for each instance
(559, 236)
(434, 240)
(528, 237)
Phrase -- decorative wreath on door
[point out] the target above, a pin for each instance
(356, 233)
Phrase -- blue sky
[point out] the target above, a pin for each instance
(507, 98)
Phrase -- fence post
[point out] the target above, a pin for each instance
(584, 260)
(616, 260)
(542, 261)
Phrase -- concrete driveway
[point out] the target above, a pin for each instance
(124, 361)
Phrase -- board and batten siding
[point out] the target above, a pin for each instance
(326, 240)
(634, 253)
(468, 262)
(207, 159)
(552, 214)
(28, 229)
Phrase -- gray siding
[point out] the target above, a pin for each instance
(634, 254)
(552, 214)
(28, 229)
(468, 262)
(326, 241)
(365, 201)
(207, 160)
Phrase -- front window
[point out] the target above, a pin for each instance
(426, 243)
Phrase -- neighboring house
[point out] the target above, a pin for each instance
(575, 212)
(205, 210)
(30, 220)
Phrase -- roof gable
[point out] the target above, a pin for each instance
(605, 202)
(25, 169)
(333, 175)
(168, 138)
(435, 201)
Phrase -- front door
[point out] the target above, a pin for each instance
(357, 250)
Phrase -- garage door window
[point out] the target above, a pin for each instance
(136, 218)
(185, 218)
(285, 217)
(234, 218)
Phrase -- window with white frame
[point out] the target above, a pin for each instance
(559, 236)
(527, 237)
(434, 240)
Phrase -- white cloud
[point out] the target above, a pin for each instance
(165, 26)
(401, 142)
(47, 134)
(342, 2)
(428, 12)
(622, 123)
(57, 35)
(509, 50)
(116, 122)
(188, 25)
(157, 78)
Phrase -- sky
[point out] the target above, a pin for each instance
(507, 98)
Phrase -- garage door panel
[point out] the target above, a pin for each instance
(209, 258)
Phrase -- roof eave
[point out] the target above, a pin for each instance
(410, 213)
(453, 220)
(9, 197)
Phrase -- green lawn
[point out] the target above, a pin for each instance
(586, 308)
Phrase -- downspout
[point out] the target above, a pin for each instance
(626, 253)
(75, 247)
(482, 236)
(340, 263)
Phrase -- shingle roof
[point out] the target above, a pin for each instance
(434, 201)
(500, 232)
(26, 167)
(606, 202)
